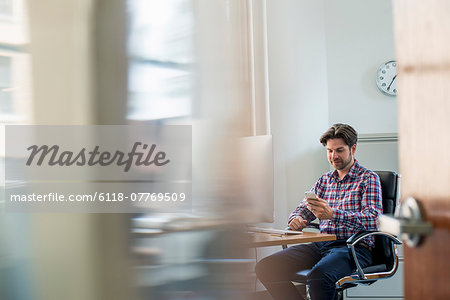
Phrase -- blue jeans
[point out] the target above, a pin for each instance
(328, 261)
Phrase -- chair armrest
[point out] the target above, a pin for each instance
(356, 238)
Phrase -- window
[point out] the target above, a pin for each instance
(15, 96)
(6, 105)
(161, 57)
(6, 8)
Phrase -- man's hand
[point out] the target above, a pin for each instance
(297, 223)
(320, 208)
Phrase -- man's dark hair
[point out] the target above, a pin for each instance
(340, 131)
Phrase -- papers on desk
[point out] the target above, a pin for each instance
(273, 230)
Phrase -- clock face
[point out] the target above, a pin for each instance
(387, 78)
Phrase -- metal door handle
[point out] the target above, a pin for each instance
(408, 223)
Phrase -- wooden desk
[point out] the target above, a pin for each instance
(267, 239)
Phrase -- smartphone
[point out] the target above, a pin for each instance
(311, 195)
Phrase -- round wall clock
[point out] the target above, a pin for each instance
(387, 78)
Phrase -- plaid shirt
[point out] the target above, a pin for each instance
(355, 200)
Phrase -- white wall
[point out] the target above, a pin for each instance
(359, 39)
(298, 96)
(323, 57)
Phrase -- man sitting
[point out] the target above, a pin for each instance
(349, 201)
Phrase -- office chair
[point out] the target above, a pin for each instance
(384, 256)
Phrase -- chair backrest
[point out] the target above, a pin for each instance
(383, 252)
(389, 183)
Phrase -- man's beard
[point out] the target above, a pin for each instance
(340, 165)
